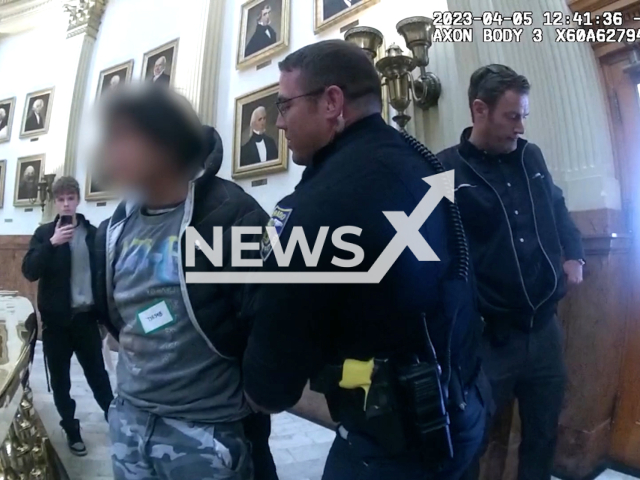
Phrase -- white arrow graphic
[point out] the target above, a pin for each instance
(407, 235)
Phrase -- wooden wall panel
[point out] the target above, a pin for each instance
(12, 251)
(622, 79)
(593, 318)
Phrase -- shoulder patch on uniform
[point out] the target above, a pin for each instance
(278, 220)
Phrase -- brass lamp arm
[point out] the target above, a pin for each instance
(420, 97)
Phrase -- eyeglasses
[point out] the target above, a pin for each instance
(282, 105)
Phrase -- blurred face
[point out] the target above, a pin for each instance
(501, 127)
(115, 80)
(158, 67)
(265, 18)
(260, 123)
(131, 159)
(2, 114)
(309, 119)
(29, 173)
(37, 106)
(67, 203)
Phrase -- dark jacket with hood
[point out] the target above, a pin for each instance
(214, 309)
(503, 299)
(51, 267)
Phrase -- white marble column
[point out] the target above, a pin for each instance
(569, 113)
(71, 86)
(197, 71)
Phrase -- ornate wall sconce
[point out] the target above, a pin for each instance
(397, 68)
(44, 190)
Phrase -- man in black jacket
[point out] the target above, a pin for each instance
(260, 147)
(525, 248)
(61, 258)
(264, 35)
(334, 7)
(180, 344)
(361, 175)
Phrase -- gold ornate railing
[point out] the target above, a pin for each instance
(25, 451)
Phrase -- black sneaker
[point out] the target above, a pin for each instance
(74, 439)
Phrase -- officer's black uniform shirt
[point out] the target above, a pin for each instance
(298, 328)
(506, 174)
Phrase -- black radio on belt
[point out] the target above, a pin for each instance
(405, 409)
(426, 417)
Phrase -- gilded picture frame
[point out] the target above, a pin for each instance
(254, 46)
(108, 76)
(3, 177)
(6, 124)
(36, 125)
(169, 51)
(29, 171)
(93, 191)
(329, 13)
(257, 110)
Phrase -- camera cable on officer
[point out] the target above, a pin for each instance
(390, 338)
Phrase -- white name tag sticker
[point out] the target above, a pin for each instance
(155, 317)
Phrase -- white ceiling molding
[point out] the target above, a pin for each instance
(17, 16)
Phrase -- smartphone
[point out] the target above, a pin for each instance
(66, 220)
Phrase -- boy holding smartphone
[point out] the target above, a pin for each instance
(61, 257)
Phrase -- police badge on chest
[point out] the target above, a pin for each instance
(277, 221)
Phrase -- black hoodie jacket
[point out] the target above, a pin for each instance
(215, 309)
(502, 296)
(51, 267)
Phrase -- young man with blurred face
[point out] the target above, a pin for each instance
(525, 249)
(61, 258)
(180, 412)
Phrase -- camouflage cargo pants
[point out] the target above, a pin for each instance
(145, 446)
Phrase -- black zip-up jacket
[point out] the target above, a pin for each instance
(215, 309)
(365, 173)
(51, 267)
(503, 299)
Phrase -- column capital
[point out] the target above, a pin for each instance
(84, 17)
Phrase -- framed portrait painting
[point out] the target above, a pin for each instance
(28, 173)
(259, 147)
(159, 64)
(94, 191)
(3, 176)
(331, 12)
(37, 113)
(110, 78)
(264, 30)
(7, 110)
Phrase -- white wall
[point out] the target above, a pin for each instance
(129, 29)
(574, 135)
(28, 62)
(132, 27)
(383, 16)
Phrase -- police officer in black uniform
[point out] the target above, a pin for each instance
(396, 359)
